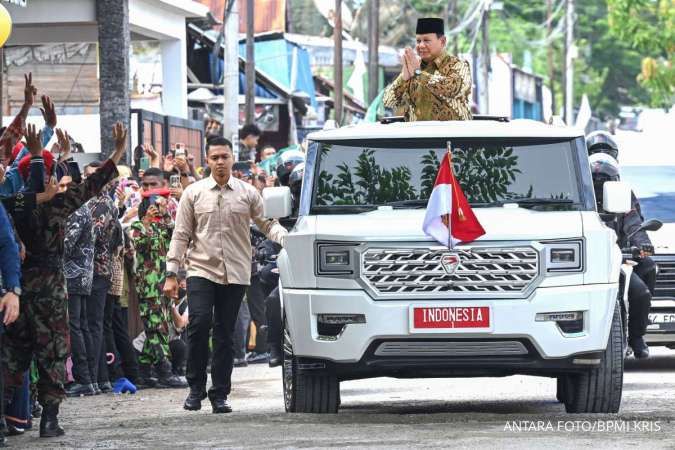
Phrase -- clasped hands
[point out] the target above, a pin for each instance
(410, 62)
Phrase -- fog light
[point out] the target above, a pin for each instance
(341, 319)
(331, 326)
(568, 321)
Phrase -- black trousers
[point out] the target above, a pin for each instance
(646, 270)
(95, 318)
(125, 350)
(255, 295)
(274, 321)
(639, 302)
(79, 337)
(211, 305)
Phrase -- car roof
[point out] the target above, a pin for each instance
(519, 128)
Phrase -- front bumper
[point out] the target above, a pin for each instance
(548, 348)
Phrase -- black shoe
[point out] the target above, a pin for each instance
(97, 390)
(145, 378)
(193, 402)
(49, 423)
(105, 387)
(220, 405)
(15, 431)
(640, 349)
(276, 356)
(3, 440)
(258, 358)
(240, 362)
(166, 377)
(79, 390)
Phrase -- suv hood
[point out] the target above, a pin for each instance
(501, 224)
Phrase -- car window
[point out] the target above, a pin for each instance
(490, 171)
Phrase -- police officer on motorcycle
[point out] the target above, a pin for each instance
(290, 170)
(606, 168)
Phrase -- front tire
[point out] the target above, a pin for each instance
(307, 393)
(599, 389)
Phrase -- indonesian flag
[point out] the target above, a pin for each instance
(449, 218)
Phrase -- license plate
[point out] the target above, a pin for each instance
(435, 319)
(668, 318)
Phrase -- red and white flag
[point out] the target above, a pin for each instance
(449, 218)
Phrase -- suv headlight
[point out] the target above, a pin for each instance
(336, 259)
(564, 256)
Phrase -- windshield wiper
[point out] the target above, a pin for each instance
(523, 201)
(544, 201)
(343, 209)
(414, 203)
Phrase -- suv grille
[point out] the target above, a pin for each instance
(665, 281)
(392, 272)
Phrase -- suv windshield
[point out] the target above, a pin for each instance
(361, 176)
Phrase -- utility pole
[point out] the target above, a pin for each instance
(549, 52)
(337, 62)
(569, 63)
(485, 59)
(250, 61)
(452, 19)
(373, 49)
(231, 75)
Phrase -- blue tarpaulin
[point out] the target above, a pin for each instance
(260, 90)
(284, 62)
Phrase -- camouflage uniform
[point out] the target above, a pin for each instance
(151, 247)
(42, 328)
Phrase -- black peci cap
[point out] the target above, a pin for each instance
(430, 25)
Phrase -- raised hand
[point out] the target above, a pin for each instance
(169, 163)
(33, 140)
(152, 154)
(51, 189)
(64, 144)
(119, 133)
(29, 91)
(48, 111)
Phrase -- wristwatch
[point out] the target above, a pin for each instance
(418, 72)
(169, 274)
(16, 290)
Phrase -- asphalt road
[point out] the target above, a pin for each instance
(381, 413)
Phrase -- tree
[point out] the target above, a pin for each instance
(114, 41)
(649, 27)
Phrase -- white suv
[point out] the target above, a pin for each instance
(366, 293)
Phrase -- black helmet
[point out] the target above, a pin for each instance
(603, 168)
(286, 162)
(295, 179)
(602, 142)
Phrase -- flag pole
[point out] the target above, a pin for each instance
(460, 213)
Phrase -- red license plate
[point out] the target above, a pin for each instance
(450, 317)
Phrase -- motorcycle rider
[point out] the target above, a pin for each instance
(290, 170)
(605, 168)
(603, 142)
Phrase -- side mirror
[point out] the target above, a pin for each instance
(616, 197)
(651, 225)
(277, 202)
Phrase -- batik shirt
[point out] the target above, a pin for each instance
(43, 230)
(151, 245)
(78, 263)
(442, 91)
(108, 241)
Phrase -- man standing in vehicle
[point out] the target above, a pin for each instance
(433, 85)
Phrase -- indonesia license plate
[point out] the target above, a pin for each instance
(441, 319)
(662, 318)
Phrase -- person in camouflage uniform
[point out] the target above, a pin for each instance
(150, 237)
(42, 329)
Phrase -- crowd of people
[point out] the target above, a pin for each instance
(83, 256)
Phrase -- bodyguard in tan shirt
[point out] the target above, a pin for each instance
(213, 228)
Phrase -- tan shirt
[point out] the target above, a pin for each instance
(213, 226)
